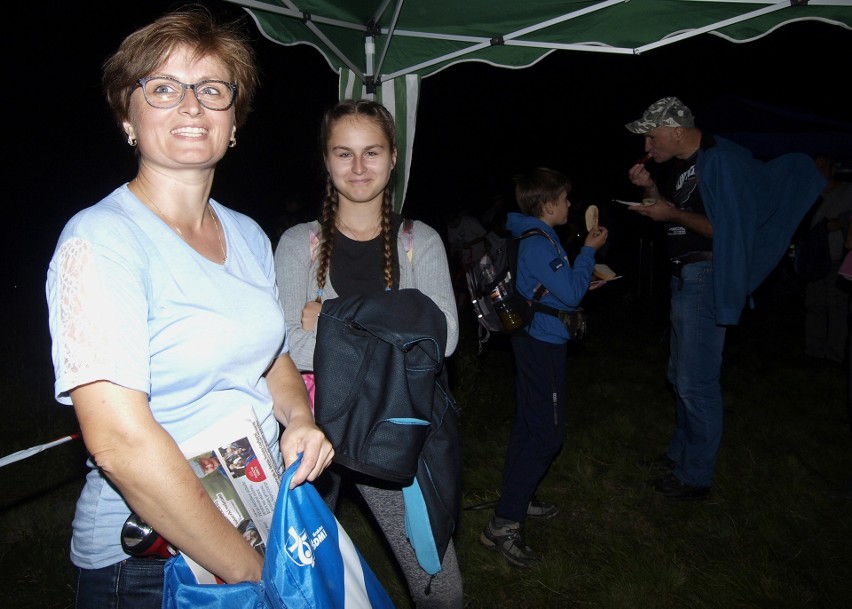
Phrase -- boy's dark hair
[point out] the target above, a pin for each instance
(538, 186)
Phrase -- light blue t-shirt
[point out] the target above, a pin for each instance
(130, 302)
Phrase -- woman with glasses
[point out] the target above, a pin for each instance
(165, 318)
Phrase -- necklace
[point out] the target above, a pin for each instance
(219, 232)
(177, 228)
(354, 234)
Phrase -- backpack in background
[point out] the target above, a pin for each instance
(496, 303)
(499, 306)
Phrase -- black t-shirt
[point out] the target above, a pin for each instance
(681, 188)
(357, 267)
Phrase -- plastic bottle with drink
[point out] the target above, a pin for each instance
(509, 316)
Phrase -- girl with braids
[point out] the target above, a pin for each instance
(359, 247)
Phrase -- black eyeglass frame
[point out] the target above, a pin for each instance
(183, 87)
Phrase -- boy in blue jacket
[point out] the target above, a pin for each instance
(541, 354)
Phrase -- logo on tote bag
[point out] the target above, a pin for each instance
(300, 551)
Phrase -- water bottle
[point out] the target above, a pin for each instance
(509, 316)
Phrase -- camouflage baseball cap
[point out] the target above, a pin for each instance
(667, 112)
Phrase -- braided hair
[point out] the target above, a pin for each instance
(380, 115)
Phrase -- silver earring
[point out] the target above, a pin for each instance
(132, 141)
(233, 141)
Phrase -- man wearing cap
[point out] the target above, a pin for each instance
(730, 220)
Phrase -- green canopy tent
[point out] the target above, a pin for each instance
(383, 48)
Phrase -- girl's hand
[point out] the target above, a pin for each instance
(310, 313)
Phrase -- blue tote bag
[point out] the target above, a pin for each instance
(311, 563)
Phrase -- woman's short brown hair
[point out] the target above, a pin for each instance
(149, 47)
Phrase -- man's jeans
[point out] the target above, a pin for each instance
(695, 365)
(135, 583)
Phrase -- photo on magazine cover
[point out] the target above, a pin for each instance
(237, 455)
(211, 471)
(252, 535)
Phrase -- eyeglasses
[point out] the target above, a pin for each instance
(165, 92)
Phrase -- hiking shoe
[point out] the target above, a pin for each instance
(672, 488)
(662, 464)
(508, 541)
(541, 509)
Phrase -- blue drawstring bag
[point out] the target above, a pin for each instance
(310, 563)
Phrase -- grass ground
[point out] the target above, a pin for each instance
(774, 535)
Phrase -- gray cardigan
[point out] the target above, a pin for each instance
(296, 274)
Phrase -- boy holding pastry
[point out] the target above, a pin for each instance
(541, 353)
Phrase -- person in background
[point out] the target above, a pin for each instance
(845, 273)
(467, 242)
(827, 299)
(494, 216)
(541, 354)
(730, 219)
(361, 249)
(164, 316)
(466, 238)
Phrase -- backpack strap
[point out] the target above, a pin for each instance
(408, 239)
(313, 238)
(537, 307)
(540, 290)
(313, 245)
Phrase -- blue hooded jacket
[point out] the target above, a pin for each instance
(540, 263)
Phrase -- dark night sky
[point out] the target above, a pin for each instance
(566, 112)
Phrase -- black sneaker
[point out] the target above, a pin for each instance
(662, 464)
(508, 541)
(672, 488)
(541, 509)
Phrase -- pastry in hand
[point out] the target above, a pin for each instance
(592, 219)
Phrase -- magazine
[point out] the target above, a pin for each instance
(236, 468)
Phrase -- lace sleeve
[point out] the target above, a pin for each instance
(78, 329)
(90, 312)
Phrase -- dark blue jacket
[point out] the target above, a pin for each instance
(755, 208)
(540, 263)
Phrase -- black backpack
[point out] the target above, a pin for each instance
(383, 400)
(498, 305)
